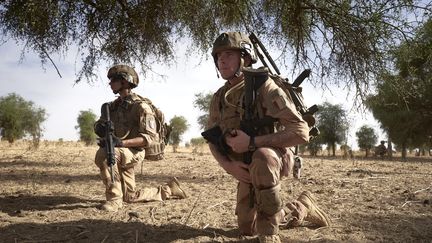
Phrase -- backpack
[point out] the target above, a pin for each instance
(295, 93)
(155, 150)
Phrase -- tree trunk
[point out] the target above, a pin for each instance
(334, 149)
(404, 151)
(389, 149)
(367, 152)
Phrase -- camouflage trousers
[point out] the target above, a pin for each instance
(124, 187)
(263, 215)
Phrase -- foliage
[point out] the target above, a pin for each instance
(198, 145)
(86, 120)
(342, 39)
(19, 118)
(202, 102)
(402, 102)
(314, 146)
(366, 138)
(179, 126)
(332, 121)
(199, 141)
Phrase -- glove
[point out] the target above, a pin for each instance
(99, 129)
(117, 142)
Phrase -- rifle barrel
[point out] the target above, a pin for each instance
(301, 78)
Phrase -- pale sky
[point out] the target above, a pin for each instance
(63, 100)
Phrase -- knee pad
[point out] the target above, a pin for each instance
(268, 200)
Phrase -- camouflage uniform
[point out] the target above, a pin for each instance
(268, 164)
(132, 117)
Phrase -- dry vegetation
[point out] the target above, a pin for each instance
(50, 195)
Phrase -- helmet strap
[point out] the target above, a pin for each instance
(239, 70)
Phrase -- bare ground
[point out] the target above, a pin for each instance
(51, 194)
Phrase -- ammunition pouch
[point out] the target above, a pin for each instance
(155, 151)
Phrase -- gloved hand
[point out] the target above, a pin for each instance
(117, 142)
(99, 129)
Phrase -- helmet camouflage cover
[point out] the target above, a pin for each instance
(125, 72)
(233, 41)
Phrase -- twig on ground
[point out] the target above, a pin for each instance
(104, 239)
(425, 189)
(409, 202)
(152, 214)
(81, 233)
(192, 209)
(70, 225)
(217, 204)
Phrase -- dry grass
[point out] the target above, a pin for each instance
(50, 195)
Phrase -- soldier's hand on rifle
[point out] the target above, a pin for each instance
(99, 129)
(238, 140)
(117, 142)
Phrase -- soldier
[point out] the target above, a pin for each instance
(272, 158)
(134, 129)
(381, 149)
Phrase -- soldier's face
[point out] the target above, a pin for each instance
(116, 85)
(228, 62)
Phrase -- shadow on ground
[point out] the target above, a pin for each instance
(107, 231)
(19, 204)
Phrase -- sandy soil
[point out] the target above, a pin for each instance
(51, 194)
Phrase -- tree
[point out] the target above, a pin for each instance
(197, 144)
(366, 138)
(202, 102)
(86, 120)
(402, 100)
(346, 40)
(179, 126)
(19, 118)
(314, 146)
(199, 141)
(333, 124)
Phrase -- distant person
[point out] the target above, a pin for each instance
(381, 149)
(259, 206)
(134, 129)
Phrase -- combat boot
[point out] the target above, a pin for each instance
(112, 205)
(305, 208)
(269, 239)
(175, 189)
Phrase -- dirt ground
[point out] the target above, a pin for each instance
(51, 194)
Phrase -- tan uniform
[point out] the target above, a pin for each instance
(132, 118)
(268, 164)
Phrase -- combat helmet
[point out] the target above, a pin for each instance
(125, 72)
(233, 41)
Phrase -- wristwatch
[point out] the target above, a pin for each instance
(252, 146)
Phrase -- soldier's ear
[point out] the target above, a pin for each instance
(125, 83)
(247, 61)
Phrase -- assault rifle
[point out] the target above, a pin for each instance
(249, 123)
(108, 137)
(254, 78)
(294, 90)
